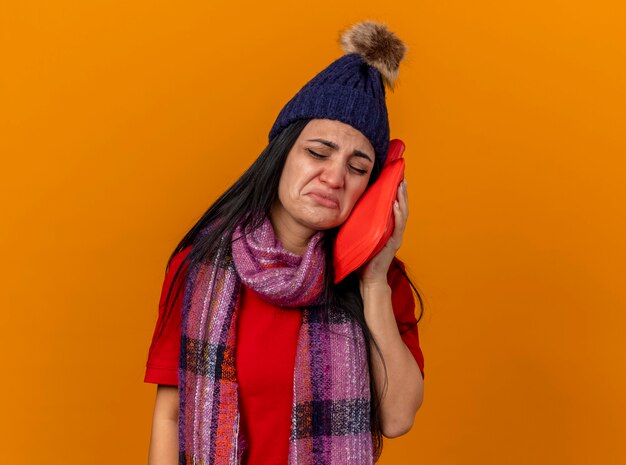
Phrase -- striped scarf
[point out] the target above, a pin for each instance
(330, 420)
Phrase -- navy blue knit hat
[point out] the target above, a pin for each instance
(352, 88)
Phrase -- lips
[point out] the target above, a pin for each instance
(325, 199)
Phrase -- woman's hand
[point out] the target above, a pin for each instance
(374, 272)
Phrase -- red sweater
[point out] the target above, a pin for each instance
(267, 338)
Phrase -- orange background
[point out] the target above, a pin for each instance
(122, 121)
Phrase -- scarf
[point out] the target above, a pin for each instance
(330, 419)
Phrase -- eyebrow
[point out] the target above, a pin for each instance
(332, 145)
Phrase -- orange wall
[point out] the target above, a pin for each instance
(122, 121)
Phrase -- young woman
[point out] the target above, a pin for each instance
(259, 357)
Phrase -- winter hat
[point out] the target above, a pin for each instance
(352, 88)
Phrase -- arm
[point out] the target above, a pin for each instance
(405, 386)
(164, 439)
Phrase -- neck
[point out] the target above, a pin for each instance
(294, 236)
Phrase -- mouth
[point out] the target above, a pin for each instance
(325, 200)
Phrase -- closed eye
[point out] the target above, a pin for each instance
(315, 154)
(360, 172)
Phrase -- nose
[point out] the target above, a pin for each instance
(333, 175)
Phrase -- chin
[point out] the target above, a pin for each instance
(322, 222)
(319, 226)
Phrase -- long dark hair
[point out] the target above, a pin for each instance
(248, 201)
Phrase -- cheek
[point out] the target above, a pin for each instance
(284, 194)
(288, 189)
(356, 192)
(297, 176)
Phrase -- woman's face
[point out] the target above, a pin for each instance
(325, 173)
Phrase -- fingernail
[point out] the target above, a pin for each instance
(396, 204)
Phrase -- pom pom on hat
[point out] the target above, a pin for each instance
(379, 47)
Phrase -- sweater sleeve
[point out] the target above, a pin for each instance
(403, 303)
(162, 363)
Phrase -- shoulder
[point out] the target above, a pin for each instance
(178, 258)
(402, 298)
(176, 269)
(396, 275)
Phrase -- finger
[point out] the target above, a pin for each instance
(406, 200)
(398, 230)
(403, 199)
(399, 219)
